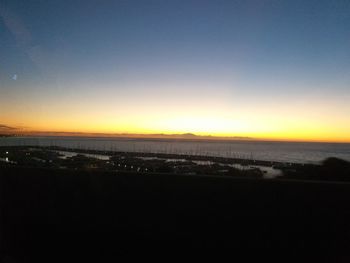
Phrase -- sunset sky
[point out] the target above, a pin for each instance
(264, 69)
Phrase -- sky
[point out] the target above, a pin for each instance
(275, 70)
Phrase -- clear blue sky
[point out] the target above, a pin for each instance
(249, 62)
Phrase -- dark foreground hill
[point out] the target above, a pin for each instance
(62, 215)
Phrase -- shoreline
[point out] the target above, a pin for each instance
(169, 156)
(187, 157)
(165, 163)
(280, 152)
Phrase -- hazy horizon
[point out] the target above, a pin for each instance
(160, 136)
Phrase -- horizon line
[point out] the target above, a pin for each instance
(183, 136)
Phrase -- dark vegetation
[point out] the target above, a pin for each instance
(332, 169)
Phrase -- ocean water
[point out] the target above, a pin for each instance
(298, 152)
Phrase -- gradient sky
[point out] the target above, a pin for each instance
(264, 69)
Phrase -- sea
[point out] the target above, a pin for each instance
(294, 152)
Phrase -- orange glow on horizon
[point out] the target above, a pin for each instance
(219, 127)
(277, 121)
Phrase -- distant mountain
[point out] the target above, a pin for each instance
(189, 135)
(185, 136)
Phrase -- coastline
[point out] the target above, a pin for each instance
(282, 152)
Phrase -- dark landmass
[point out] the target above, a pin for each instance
(89, 205)
(184, 136)
(332, 169)
(52, 157)
(6, 128)
(7, 135)
(102, 205)
(57, 215)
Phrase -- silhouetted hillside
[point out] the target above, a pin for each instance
(332, 169)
